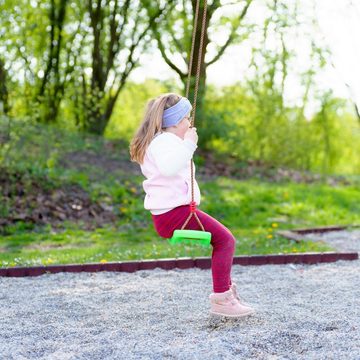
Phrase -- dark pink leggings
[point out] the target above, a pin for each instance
(222, 240)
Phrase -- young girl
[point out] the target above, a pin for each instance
(163, 146)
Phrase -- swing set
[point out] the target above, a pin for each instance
(183, 235)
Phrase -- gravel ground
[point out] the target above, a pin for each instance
(302, 312)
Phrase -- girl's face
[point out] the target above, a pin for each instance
(183, 126)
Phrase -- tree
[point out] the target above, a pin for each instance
(272, 60)
(77, 53)
(39, 50)
(120, 34)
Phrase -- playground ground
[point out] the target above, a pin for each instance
(302, 312)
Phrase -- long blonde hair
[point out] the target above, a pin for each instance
(151, 124)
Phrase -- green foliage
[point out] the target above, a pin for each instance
(235, 125)
(65, 81)
(257, 130)
(335, 135)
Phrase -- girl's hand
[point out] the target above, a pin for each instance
(192, 135)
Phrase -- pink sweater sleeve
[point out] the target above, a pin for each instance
(171, 153)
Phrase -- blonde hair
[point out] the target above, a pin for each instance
(151, 124)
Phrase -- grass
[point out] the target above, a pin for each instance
(252, 209)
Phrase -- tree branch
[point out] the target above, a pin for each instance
(231, 36)
(52, 36)
(161, 47)
(115, 35)
(131, 62)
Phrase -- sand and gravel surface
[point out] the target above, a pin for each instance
(302, 312)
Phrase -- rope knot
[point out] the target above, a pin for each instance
(192, 206)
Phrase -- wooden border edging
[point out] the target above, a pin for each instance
(180, 263)
(295, 234)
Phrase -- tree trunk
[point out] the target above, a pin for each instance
(3, 89)
(51, 84)
(109, 38)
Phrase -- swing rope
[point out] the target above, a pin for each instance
(193, 203)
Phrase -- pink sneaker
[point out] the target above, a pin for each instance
(226, 304)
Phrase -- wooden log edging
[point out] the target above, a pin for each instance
(295, 234)
(180, 263)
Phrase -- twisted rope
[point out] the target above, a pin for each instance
(193, 204)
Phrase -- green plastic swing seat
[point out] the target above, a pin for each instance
(191, 237)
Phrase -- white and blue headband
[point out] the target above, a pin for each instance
(174, 114)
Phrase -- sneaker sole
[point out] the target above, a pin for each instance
(233, 316)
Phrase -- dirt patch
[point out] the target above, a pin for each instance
(39, 201)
